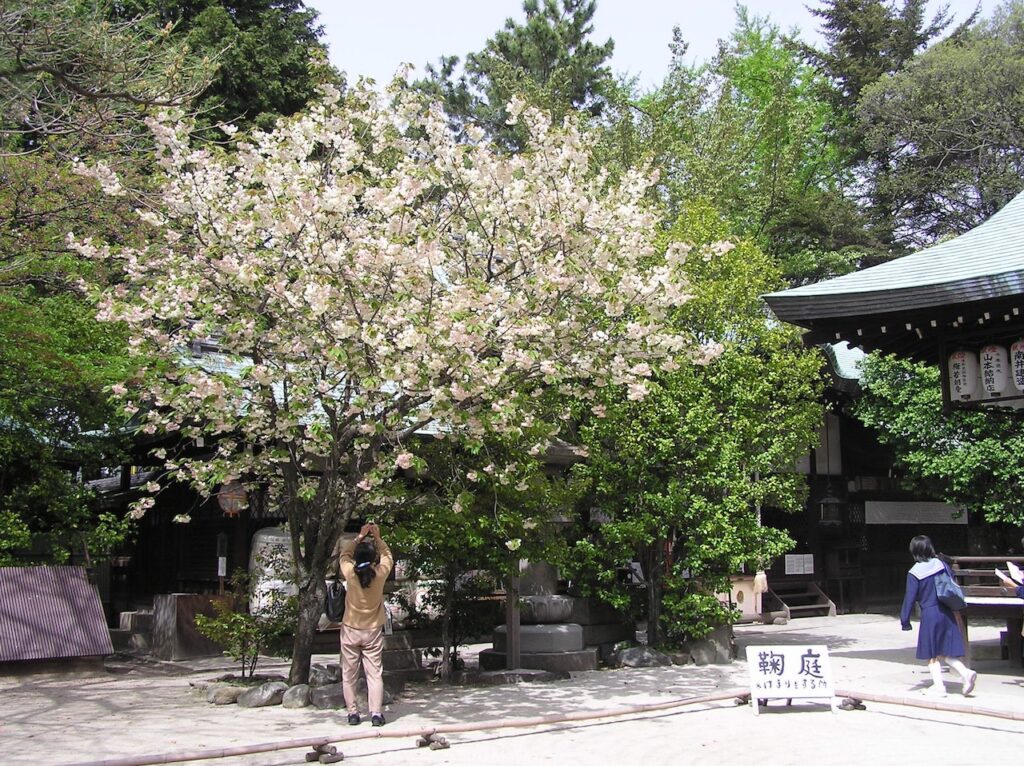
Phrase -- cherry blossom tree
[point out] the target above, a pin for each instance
(362, 274)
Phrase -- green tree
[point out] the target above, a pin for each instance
(969, 459)
(866, 40)
(749, 134)
(73, 83)
(55, 362)
(950, 124)
(460, 516)
(549, 59)
(68, 72)
(684, 470)
(269, 55)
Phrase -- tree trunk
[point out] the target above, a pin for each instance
(446, 627)
(311, 596)
(654, 582)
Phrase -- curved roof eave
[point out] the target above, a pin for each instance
(984, 263)
(800, 309)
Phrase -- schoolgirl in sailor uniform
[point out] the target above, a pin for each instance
(938, 636)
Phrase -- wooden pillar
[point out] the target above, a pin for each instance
(513, 657)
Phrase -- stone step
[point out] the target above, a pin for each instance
(129, 641)
(140, 621)
(584, 659)
(567, 637)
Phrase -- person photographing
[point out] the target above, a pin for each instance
(365, 564)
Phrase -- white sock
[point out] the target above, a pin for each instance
(958, 666)
(935, 668)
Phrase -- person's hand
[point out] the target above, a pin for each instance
(1005, 580)
(375, 531)
(364, 531)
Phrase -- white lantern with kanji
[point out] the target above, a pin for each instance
(963, 374)
(1017, 364)
(995, 367)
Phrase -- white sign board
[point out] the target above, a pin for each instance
(790, 672)
(799, 563)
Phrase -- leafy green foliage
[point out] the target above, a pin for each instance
(748, 134)
(678, 476)
(73, 74)
(467, 515)
(245, 636)
(866, 40)
(969, 459)
(55, 361)
(951, 125)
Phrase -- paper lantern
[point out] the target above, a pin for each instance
(232, 498)
(963, 374)
(995, 366)
(1017, 364)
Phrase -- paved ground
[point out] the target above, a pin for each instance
(63, 719)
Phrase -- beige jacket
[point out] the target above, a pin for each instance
(364, 608)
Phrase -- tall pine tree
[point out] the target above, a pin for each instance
(866, 40)
(550, 59)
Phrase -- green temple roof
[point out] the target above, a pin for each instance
(984, 263)
(967, 290)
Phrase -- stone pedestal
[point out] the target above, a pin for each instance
(175, 636)
(556, 632)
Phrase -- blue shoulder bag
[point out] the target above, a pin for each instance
(948, 591)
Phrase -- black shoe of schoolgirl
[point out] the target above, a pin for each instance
(377, 719)
(353, 719)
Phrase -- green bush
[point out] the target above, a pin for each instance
(245, 636)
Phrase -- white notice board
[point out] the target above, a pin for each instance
(790, 672)
(799, 563)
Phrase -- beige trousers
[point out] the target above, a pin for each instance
(367, 646)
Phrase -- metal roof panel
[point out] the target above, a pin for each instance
(50, 612)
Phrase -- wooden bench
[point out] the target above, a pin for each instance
(987, 597)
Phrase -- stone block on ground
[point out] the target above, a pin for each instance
(567, 637)
(519, 675)
(332, 696)
(591, 611)
(223, 694)
(322, 675)
(139, 621)
(639, 657)
(583, 659)
(401, 659)
(717, 648)
(263, 695)
(296, 696)
(175, 636)
(607, 633)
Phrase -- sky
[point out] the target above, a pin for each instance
(374, 37)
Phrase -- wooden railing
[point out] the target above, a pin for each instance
(987, 596)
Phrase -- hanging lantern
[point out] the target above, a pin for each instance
(995, 364)
(1017, 364)
(963, 374)
(233, 498)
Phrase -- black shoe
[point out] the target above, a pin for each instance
(353, 719)
(377, 719)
